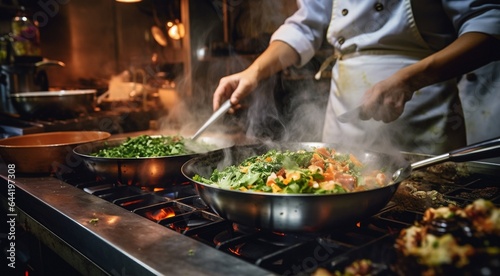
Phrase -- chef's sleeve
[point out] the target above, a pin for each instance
(304, 31)
(474, 16)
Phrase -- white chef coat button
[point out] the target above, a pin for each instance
(471, 77)
(341, 40)
(379, 6)
(345, 12)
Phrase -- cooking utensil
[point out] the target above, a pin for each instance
(306, 212)
(143, 171)
(28, 76)
(63, 104)
(46, 152)
(216, 115)
(478, 151)
(23, 77)
(350, 115)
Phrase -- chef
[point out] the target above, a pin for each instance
(398, 59)
(479, 93)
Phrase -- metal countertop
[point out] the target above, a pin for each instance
(120, 242)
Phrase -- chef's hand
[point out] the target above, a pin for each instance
(276, 57)
(234, 87)
(385, 100)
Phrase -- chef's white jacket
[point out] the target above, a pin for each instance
(374, 39)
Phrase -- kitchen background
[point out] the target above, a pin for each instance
(102, 41)
(105, 41)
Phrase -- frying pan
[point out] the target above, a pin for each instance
(142, 171)
(309, 212)
(63, 104)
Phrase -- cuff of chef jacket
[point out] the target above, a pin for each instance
(297, 40)
(487, 23)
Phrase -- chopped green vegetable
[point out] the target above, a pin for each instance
(152, 146)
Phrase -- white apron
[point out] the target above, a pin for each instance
(432, 121)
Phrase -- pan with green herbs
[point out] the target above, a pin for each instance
(145, 160)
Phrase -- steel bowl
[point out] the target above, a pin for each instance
(141, 171)
(63, 104)
(290, 212)
(310, 212)
(48, 152)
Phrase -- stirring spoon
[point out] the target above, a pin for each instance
(216, 115)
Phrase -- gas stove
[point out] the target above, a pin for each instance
(101, 227)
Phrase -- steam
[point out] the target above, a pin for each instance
(280, 110)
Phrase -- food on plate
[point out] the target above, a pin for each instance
(451, 238)
(449, 170)
(320, 170)
(426, 188)
(153, 146)
(358, 267)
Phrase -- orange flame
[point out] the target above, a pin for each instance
(125, 204)
(160, 214)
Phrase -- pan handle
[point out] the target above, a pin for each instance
(478, 151)
(482, 150)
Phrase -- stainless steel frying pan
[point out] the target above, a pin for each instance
(308, 212)
(141, 171)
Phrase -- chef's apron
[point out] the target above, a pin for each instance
(432, 121)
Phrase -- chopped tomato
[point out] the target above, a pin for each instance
(347, 181)
(381, 179)
(271, 179)
(316, 160)
(281, 172)
(355, 160)
(323, 151)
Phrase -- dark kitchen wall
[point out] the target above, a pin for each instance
(226, 39)
(226, 36)
(98, 39)
(95, 39)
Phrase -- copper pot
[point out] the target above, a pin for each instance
(46, 152)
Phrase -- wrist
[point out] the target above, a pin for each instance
(416, 76)
(255, 72)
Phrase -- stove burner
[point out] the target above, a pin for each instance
(160, 214)
(247, 246)
(178, 207)
(274, 237)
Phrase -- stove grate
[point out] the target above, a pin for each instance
(180, 209)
